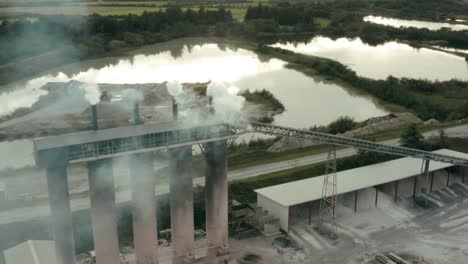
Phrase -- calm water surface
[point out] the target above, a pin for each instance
(394, 22)
(308, 101)
(391, 58)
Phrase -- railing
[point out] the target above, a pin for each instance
(154, 141)
(200, 135)
(355, 143)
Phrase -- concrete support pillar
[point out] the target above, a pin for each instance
(181, 198)
(414, 186)
(61, 218)
(103, 211)
(144, 208)
(216, 201)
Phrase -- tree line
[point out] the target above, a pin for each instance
(440, 100)
(93, 34)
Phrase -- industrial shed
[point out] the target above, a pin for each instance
(31, 252)
(278, 199)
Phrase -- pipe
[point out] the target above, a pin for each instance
(463, 174)
(396, 191)
(376, 195)
(355, 200)
(334, 205)
(94, 117)
(210, 103)
(136, 114)
(432, 181)
(310, 213)
(448, 177)
(414, 186)
(175, 110)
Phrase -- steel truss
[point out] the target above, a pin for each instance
(329, 191)
(355, 143)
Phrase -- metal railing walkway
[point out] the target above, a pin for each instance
(354, 143)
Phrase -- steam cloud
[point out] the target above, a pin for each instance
(227, 104)
(174, 88)
(92, 93)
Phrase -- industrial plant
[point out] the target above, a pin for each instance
(288, 212)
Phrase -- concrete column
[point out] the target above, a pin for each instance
(216, 185)
(103, 211)
(181, 198)
(144, 208)
(61, 218)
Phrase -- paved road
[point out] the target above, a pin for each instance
(23, 214)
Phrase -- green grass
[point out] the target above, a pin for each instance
(126, 3)
(322, 22)
(252, 157)
(243, 190)
(458, 144)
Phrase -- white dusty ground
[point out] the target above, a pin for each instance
(259, 246)
(437, 235)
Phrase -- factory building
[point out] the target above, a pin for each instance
(399, 178)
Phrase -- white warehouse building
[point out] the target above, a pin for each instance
(279, 199)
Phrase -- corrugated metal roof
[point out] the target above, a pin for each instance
(32, 252)
(307, 190)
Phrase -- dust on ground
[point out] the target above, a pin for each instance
(434, 235)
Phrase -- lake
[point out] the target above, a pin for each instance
(397, 23)
(308, 101)
(381, 61)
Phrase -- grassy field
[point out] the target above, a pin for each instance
(238, 13)
(322, 22)
(77, 10)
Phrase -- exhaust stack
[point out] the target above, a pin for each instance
(94, 117)
(210, 105)
(136, 114)
(175, 110)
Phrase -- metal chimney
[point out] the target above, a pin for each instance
(136, 114)
(210, 104)
(94, 117)
(175, 109)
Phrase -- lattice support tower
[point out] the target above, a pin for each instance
(329, 191)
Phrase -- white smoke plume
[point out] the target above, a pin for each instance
(227, 105)
(174, 88)
(226, 102)
(92, 93)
